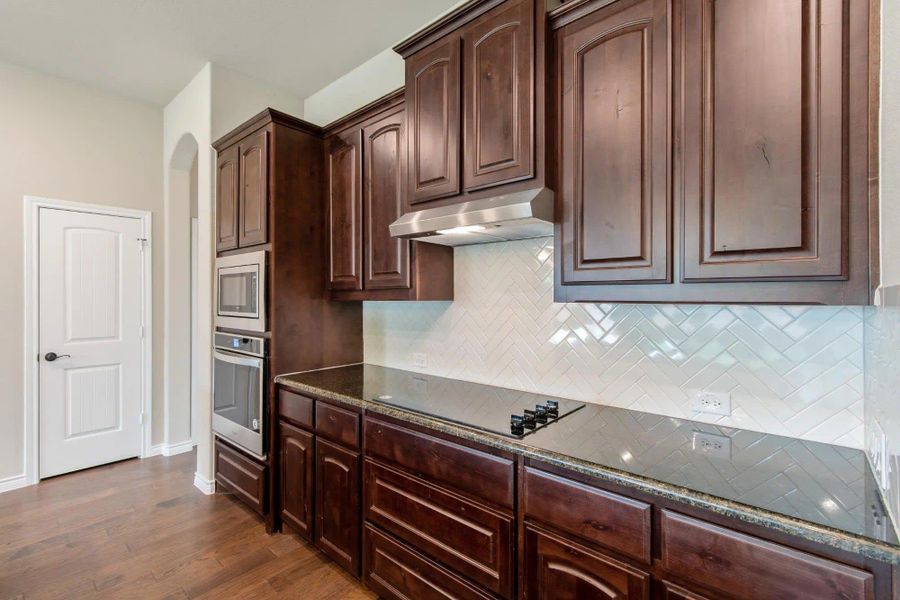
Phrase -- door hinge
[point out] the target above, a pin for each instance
(142, 418)
(144, 243)
(143, 331)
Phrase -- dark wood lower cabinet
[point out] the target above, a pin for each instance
(297, 483)
(394, 570)
(665, 590)
(422, 515)
(338, 519)
(558, 568)
(474, 540)
(241, 475)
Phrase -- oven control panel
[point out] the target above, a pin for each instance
(242, 344)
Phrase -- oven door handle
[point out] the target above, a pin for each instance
(237, 359)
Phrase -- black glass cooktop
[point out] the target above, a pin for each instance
(511, 413)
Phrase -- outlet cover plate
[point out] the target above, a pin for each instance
(715, 403)
(711, 444)
(420, 360)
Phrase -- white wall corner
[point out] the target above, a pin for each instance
(13, 483)
(207, 486)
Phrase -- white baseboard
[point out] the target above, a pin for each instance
(207, 486)
(180, 448)
(155, 450)
(13, 483)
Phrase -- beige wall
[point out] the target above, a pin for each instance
(65, 141)
(890, 143)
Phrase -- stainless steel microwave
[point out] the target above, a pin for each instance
(241, 291)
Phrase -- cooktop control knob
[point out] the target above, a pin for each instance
(517, 424)
(540, 413)
(529, 419)
(552, 409)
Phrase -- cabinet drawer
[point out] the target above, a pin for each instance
(483, 475)
(243, 477)
(395, 571)
(473, 540)
(726, 560)
(614, 521)
(295, 408)
(337, 424)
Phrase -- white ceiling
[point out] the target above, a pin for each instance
(149, 49)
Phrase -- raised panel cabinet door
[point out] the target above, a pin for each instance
(764, 139)
(384, 149)
(227, 199)
(498, 106)
(432, 108)
(254, 197)
(563, 570)
(615, 141)
(343, 161)
(338, 521)
(297, 483)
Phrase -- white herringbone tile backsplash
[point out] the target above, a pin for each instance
(790, 370)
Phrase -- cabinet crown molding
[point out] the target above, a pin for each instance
(444, 25)
(269, 115)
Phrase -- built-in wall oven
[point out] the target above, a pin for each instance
(241, 291)
(239, 390)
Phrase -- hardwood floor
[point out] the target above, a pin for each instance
(139, 529)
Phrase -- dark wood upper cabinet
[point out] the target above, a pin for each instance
(615, 200)
(227, 199)
(765, 139)
(367, 185)
(558, 568)
(343, 164)
(254, 182)
(386, 257)
(338, 524)
(433, 106)
(297, 484)
(475, 100)
(498, 107)
(719, 150)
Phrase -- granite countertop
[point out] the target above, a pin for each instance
(817, 491)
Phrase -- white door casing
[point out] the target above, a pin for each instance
(90, 307)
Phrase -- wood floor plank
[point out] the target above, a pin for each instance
(139, 529)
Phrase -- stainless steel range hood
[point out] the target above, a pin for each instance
(515, 216)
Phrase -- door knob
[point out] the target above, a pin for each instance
(51, 356)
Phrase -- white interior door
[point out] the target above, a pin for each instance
(91, 317)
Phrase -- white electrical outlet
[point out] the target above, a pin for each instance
(420, 360)
(711, 444)
(716, 403)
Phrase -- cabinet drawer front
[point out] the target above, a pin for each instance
(241, 476)
(337, 424)
(614, 521)
(393, 570)
(727, 560)
(474, 540)
(483, 475)
(296, 408)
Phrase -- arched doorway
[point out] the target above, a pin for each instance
(179, 373)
